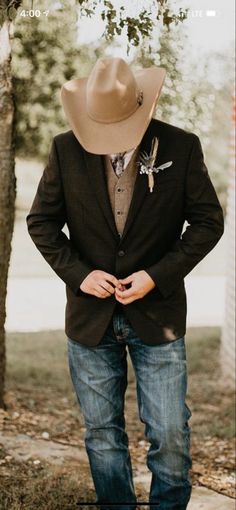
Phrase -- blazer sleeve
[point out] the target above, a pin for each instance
(45, 221)
(204, 215)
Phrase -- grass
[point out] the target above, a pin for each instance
(43, 490)
(211, 400)
(37, 359)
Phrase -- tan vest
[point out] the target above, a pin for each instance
(120, 189)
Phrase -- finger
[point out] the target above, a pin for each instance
(105, 285)
(121, 287)
(126, 301)
(111, 279)
(126, 293)
(101, 291)
(97, 294)
(126, 280)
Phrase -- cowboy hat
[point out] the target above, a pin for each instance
(110, 110)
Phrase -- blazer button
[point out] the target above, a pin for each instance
(121, 253)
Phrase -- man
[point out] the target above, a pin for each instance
(124, 184)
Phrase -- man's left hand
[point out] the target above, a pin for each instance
(141, 284)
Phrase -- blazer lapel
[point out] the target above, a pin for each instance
(140, 187)
(97, 178)
(96, 174)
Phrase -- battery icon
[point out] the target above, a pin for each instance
(211, 13)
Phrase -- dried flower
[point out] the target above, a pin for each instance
(147, 161)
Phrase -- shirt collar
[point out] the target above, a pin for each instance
(127, 156)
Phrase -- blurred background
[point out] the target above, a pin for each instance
(41, 424)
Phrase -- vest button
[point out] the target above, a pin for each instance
(121, 253)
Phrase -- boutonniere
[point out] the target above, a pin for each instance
(147, 161)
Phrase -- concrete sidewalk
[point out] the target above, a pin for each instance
(205, 499)
(202, 498)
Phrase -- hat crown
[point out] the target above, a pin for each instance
(112, 92)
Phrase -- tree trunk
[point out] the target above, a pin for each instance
(7, 185)
(228, 335)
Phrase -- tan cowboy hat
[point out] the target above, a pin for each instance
(110, 110)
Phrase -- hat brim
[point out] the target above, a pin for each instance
(101, 138)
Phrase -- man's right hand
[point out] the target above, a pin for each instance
(100, 284)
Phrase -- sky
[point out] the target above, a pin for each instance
(210, 23)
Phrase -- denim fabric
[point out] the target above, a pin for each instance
(99, 377)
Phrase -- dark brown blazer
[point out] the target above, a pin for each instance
(73, 191)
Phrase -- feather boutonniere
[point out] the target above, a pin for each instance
(147, 161)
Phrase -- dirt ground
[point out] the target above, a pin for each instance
(43, 463)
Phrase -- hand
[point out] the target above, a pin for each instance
(141, 284)
(100, 284)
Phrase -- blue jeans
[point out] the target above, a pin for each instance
(99, 377)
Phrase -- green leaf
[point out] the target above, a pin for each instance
(2, 16)
(12, 13)
(108, 4)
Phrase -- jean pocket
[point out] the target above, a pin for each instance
(179, 343)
